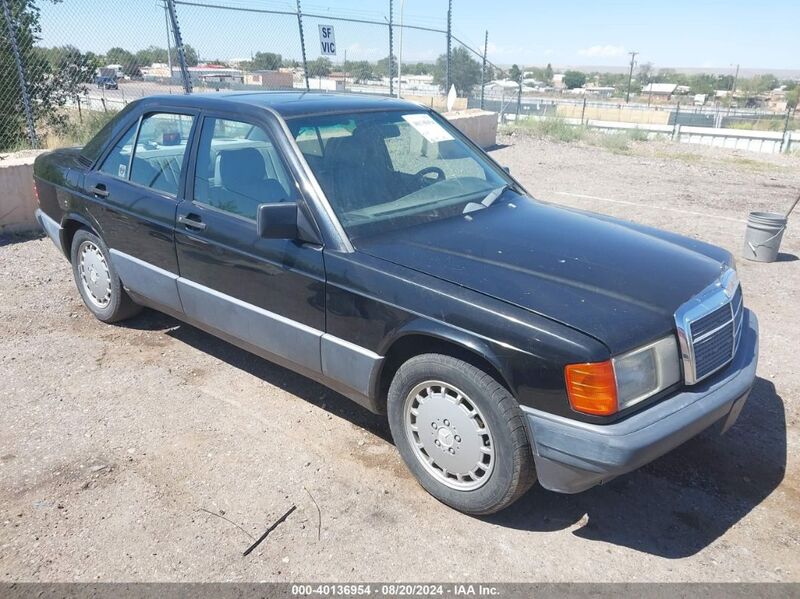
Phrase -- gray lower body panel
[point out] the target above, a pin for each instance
(51, 227)
(574, 456)
(347, 368)
(152, 282)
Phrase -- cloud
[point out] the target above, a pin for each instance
(607, 51)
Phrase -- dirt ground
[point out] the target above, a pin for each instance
(153, 451)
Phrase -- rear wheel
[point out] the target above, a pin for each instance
(461, 433)
(97, 281)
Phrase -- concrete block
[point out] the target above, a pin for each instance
(17, 202)
(479, 125)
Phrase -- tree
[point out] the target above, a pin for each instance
(52, 78)
(151, 55)
(465, 72)
(360, 70)
(573, 79)
(126, 59)
(514, 73)
(382, 68)
(645, 72)
(548, 73)
(189, 53)
(319, 67)
(264, 61)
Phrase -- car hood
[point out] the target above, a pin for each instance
(616, 281)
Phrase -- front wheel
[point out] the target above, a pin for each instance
(97, 280)
(461, 434)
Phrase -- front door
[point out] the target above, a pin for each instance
(267, 294)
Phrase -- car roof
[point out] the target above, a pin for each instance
(288, 104)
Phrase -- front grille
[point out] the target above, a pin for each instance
(714, 350)
(710, 327)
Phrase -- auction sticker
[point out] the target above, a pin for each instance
(427, 127)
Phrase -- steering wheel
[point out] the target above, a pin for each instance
(435, 170)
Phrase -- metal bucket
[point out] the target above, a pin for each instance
(763, 237)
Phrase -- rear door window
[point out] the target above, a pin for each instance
(160, 150)
(118, 160)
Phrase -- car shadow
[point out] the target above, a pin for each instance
(682, 502)
(784, 257)
(296, 384)
(7, 238)
(673, 507)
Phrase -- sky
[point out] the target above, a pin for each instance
(704, 34)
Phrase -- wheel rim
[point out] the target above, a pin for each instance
(449, 435)
(94, 274)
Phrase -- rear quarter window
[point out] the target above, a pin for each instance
(92, 150)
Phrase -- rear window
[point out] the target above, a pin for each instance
(92, 150)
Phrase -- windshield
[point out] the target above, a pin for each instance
(384, 170)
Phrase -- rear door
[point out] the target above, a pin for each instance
(268, 293)
(135, 188)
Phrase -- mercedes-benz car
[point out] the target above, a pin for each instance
(365, 242)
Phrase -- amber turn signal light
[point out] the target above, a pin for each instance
(592, 387)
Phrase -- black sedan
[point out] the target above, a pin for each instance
(366, 243)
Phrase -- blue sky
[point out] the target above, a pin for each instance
(679, 33)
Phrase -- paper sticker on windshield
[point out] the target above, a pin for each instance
(123, 168)
(427, 127)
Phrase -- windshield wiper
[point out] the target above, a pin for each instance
(490, 199)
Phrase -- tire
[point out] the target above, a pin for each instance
(97, 280)
(465, 421)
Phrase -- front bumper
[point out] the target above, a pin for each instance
(573, 456)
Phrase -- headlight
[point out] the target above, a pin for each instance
(646, 371)
(604, 388)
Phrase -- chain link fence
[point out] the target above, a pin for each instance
(67, 67)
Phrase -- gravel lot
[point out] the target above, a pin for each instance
(115, 440)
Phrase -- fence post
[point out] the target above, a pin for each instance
(785, 139)
(483, 67)
(676, 128)
(302, 42)
(449, 43)
(519, 99)
(23, 86)
(391, 48)
(583, 110)
(176, 31)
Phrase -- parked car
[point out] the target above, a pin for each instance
(106, 83)
(368, 244)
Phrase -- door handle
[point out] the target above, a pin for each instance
(192, 223)
(99, 190)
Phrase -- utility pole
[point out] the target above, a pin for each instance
(735, 79)
(169, 44)
(400, 50)
(483, 67)
(630, 76)
(449, 43)
(391, 48)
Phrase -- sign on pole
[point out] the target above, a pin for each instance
(327, 40)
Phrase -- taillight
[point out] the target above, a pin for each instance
(36, 192)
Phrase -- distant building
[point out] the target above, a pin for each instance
(663, 90)
(558, 81)
(270, 79)
(603, 91)
(699, 99)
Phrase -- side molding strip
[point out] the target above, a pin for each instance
(337, 359)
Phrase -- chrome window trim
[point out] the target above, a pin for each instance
(717, 295)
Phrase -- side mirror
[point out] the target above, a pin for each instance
(507, 169)
(277, 221)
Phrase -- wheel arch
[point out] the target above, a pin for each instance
(70, 225)
(430, 339)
